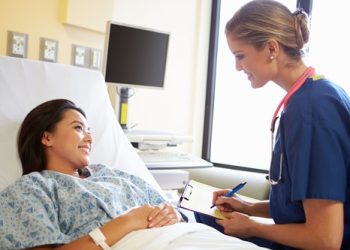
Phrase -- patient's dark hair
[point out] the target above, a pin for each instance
(42, 118)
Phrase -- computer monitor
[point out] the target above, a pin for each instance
(134, 57)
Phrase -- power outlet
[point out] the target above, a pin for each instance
(95, 58)
(17, 44)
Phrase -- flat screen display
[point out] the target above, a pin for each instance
(135, 56)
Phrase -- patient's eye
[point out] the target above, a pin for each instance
(78, 128)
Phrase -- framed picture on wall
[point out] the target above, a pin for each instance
(17, 44)
(48, 49)
(80, 56)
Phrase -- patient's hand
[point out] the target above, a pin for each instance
(140, 216)
(162, 215)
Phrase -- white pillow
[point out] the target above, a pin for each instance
(25, 83)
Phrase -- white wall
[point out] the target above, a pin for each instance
(179, 107)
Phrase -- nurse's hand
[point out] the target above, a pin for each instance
(162, 215)
(230, 204)
(236, 224)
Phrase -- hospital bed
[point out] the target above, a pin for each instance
(26, 83)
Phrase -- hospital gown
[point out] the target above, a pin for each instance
(49, 207)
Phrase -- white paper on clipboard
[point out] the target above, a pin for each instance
(197, 197)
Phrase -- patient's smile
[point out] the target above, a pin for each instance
(85, 148)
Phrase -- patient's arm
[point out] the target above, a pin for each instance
(114, 230)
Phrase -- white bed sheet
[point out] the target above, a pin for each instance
(182, 236)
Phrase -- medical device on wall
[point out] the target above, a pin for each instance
(134, 57)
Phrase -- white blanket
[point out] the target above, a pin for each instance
(182, 236)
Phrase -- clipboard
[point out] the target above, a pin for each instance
(197, 197)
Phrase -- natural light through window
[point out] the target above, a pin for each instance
(329, 41)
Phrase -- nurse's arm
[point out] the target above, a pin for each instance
(323, 228)
(259, 209)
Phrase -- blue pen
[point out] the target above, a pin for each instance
(233, 191)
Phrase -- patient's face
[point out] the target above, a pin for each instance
(68, 146)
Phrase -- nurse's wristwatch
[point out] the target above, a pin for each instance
(99, 238)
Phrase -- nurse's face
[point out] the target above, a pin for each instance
(255, 63)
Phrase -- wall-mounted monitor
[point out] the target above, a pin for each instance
(135, 56)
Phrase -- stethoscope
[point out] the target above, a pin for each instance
(307, 73)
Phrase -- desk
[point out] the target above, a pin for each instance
(170, 178)
(168, 167)
(160, 159)
(170, 172)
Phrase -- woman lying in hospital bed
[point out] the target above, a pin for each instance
(59, 203)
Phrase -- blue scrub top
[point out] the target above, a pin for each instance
(314, 137)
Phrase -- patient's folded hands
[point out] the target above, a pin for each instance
(139, 216)
(148, 216)
(162, 215)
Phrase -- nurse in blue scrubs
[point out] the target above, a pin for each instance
(310, 168)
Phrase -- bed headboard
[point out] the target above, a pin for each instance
(26, 83)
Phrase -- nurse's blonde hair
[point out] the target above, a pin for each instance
(261, 20)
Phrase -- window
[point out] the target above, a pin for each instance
(237, 125)
(329, 41)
